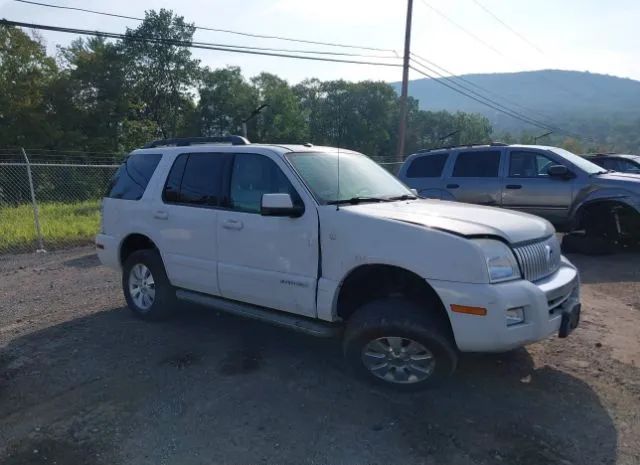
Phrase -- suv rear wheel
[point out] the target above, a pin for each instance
(395, 342)
(146, 287)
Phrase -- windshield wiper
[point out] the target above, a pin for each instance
(402, 197)
(357, 200)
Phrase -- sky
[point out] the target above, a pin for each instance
(584, 35)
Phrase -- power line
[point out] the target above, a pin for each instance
(226, 31)
(513, 31)
(474, 96)
(492, 48)
(532, 121)
(453, 75)
(492, 104)
(459, 26)
(180, 43)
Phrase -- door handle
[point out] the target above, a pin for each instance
(514, 186)
(232, 224)
(453, 186)
(161, 215)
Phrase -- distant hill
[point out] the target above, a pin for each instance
(580, 100)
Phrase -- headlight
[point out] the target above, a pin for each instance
(501, 264)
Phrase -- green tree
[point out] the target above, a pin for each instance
(26, 73)
(92, 97)
(161, 71)
(226, 99)
(283, 119)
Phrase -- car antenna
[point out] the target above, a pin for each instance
(338, 163)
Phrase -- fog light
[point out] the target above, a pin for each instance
(515, 316)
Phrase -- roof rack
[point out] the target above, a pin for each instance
(600, 154)
(186, 141)
(491, 144)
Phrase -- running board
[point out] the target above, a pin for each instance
(295, 322)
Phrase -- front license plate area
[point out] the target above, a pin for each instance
(570, 320)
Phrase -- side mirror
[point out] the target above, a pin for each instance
(559, 171)
(279, 205)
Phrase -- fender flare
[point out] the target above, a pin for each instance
(620, 196)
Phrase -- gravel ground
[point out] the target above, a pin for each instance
(82, 382)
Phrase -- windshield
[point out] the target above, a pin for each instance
(360, 177)
(580, 162)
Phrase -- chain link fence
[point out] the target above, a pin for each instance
(51, 199)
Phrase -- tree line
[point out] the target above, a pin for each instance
(100, 95)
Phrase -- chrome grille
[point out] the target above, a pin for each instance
(539, 259)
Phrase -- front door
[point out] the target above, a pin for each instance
(529, 188)
(265, 260)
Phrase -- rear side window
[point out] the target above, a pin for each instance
(428, 166)
(477, 164)
(132, 178)
(196, 179)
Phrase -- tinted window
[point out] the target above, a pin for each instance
(477, 165)
(131, 179)
(255, 175)
(621, 165)
(428, 166)
(171, 191)
(196, 179)
(529, 165)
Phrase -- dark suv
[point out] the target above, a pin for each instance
(616, 161)
(566, 189)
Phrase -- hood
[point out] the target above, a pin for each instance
(624, 180)
(461, 218)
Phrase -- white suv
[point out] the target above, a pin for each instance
(327, 242)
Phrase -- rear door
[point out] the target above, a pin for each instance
(424, 174)
(529, 188)
(186, 219)
(475, 177)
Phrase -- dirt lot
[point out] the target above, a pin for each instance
(82, 382)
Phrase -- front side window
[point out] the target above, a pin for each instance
(254, 175)
(427, 166)
(477, 164)
(580, 162)
(523, 164)
(196, 179)
(358, 175)
(133, 176)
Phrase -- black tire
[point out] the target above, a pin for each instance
(398, 317)
(164, 302)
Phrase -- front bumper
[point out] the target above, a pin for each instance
(544, 303)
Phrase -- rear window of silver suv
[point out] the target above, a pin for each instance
(132, 178)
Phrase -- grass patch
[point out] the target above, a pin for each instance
(61, 223)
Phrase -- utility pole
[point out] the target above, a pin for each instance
(402, 129)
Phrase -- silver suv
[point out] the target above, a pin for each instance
(568, 190)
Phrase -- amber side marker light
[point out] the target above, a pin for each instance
(469, 310)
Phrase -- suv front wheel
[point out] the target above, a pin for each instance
(146, 287)
(397, 343)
